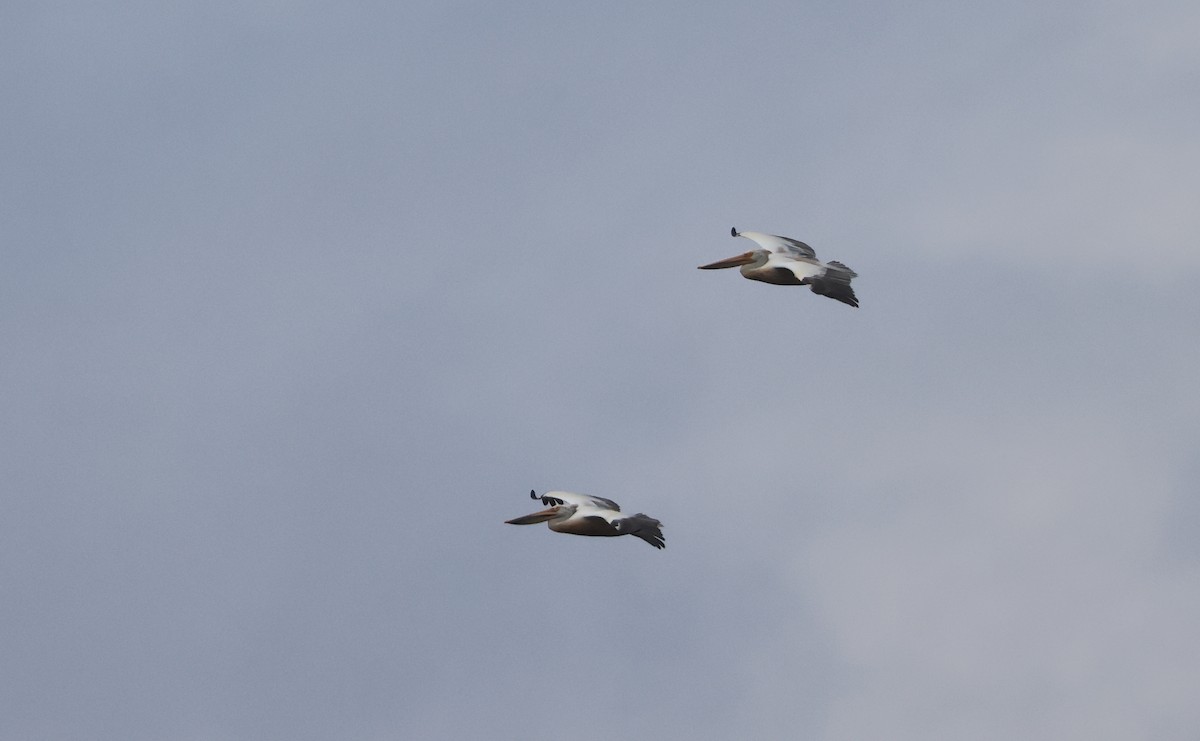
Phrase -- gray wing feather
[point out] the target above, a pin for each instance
(607, 503)
(835, 283)
(795, 245)
(642, 526)
(836, 267)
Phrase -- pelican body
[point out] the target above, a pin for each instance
(790, 262)
(580, 514)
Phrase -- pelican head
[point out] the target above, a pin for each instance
(753, 258)
(557, 509)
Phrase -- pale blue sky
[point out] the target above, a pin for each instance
(299, 300)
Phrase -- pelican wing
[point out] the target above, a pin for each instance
(804, 268)
(642, 526)
(777, 244)
(583, 500)
(834, 282)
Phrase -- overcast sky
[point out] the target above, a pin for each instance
(299, 300)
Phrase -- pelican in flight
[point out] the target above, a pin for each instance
(790, 262)
(580, 514)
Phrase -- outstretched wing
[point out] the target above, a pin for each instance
(579, 500)
(801, 269)
(834, 282)
(643, 526)
(777, 244)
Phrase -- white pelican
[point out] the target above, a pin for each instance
(789, 262)
(580, 514)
